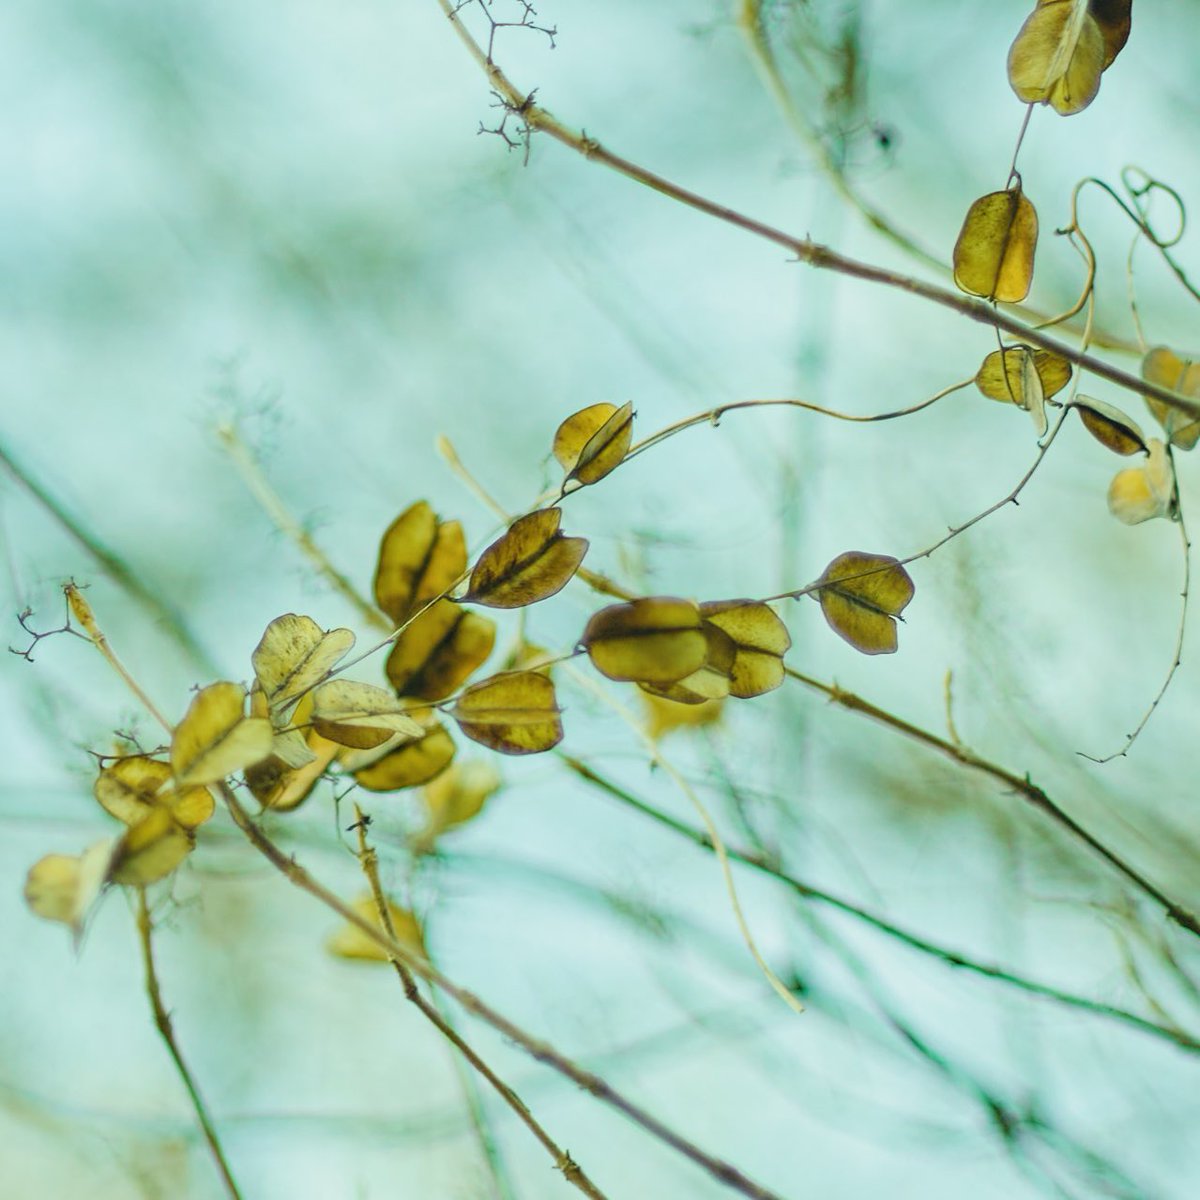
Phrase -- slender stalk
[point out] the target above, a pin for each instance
(1022, 786)
(82, 611)
(951, 958)
(538, 119)
(275, 508)
(724, 1172)
(162, 1022)
(572, 1172)
(477, 1113)
(713, 415)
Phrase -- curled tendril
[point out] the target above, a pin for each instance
(1140, 193)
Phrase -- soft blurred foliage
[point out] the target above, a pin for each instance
(281, 215)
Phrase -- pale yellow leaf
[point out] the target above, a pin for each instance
(1058, 56)
(533, 560)
(658, 640)
(515, 712)
(215, 739)
(1139, 494)
(439, 651)
(861, 597)
(993, 256)
(1110, 426)
(359, 715)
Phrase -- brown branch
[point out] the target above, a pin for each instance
(543, 1052)
(162, 1022)
(538, 119)
(1023, 786)
(914, 941)
(572, 1172)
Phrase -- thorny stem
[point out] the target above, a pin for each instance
(807, 251)
(275, 508)
(571, 1170)
(162, 1022)
(1022, 786)
(543, 1052)
(952, 958)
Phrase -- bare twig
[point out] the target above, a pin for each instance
(275, 508)
(807, 251)
(1022, 786)
(572, 1172)
(162, 1022)
(724, 1172)
(914, 941)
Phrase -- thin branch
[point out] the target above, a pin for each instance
(1022, 786)
(750, 22)
(807, 251)
(275, 508)
(1180, 633)
(82, 611)
(543, 1052)
(1012, 497)
(572, 1172)
(162, 1022)
(914, 941)
(713, 415)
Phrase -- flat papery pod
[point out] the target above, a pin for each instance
(439, 651)
(1002, 374)
(1012, 376)
(861, 596)
(1114, 18)
(594, 441)
(291, 748)
(533, 560)
(663, 716)
(515, 713)
(1110, 426)
(657, 639)
(409, 765)
(760, 640)
(280, 788)
(294, 655)
(1139, 494)
(1058, 57)
(215, 738)
(455, 797)
(132, 787)
(993, 256)
(420, 558)
(359, 715)
(351, 942)
(64, 887)
(150, 850)
(1167, 369)
(711, 681)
